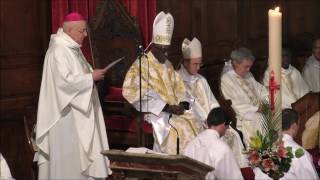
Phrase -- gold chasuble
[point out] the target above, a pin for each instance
(161, 85)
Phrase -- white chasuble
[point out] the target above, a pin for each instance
(208, 148)
(198, 89)
(70, 131)
(161, 85)
(4, 169)
(246, 95)
(293, 86)
(311, 74)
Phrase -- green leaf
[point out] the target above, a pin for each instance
(299, 152)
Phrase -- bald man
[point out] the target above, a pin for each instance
(70, 130)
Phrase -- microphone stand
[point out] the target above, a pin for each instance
(140, 119)
(176, 132)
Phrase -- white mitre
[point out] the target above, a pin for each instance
(191, 49)
(163, 26)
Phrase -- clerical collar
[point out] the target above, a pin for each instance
(286, 71)
(65, 37)
(186, 76)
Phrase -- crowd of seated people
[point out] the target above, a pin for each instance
(184, 97)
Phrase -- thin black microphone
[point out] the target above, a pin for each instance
(176, 132)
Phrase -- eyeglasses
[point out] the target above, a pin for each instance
(84, 30)
(196, 64)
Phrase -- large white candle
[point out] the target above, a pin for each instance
(275, 57)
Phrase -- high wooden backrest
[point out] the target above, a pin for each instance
(113, 34)
(306, 107)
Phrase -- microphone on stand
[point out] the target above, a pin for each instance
(186, 106)
(178, 141)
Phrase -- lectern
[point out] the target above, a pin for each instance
(155, 166)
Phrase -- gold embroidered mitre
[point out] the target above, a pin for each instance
(163, 26)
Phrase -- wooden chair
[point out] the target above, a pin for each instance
(114, 33)
(29, 121)
(306, 107)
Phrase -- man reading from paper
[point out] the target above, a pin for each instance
(247, 95)
(163, 91)
(198, 89)
(70, 130)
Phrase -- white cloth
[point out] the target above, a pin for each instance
(301, 168)
(5, 173)
(198, 89)
(293, 86)
(208, 148)
(70, 131)
(311, 74)
(246, 95)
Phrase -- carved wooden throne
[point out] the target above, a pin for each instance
(113, 34)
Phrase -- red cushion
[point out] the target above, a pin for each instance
(114, 94)
(126, 124)
(247, 173)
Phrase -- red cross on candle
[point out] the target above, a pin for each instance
(273, 87)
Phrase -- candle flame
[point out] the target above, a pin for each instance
(277, 9)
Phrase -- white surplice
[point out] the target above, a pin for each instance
(5, 173)
(311, 74)
(293, 86)
(246, 95)
(208, 148)
(301, 168)
(198, 89)
(70, 131)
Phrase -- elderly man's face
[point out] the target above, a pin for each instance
(243, 67)
(316, 50)
(78, 31)
(193, 65)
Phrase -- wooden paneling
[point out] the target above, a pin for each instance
(24, 37)
(224, 25)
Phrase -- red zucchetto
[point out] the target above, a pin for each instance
(74, 16)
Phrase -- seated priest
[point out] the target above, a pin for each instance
(164, 99)
(311, 70)
(247, 95)
(198, 89)
(301, 168)
(293, 87)
(208, 148)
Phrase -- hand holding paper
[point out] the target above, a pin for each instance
(113, 63)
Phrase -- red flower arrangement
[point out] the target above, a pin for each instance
(266, 151)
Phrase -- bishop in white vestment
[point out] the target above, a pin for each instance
(311, 70)
(198, 89)
(208, 148)
(163, 92)
(70, 131)
(247, 95)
